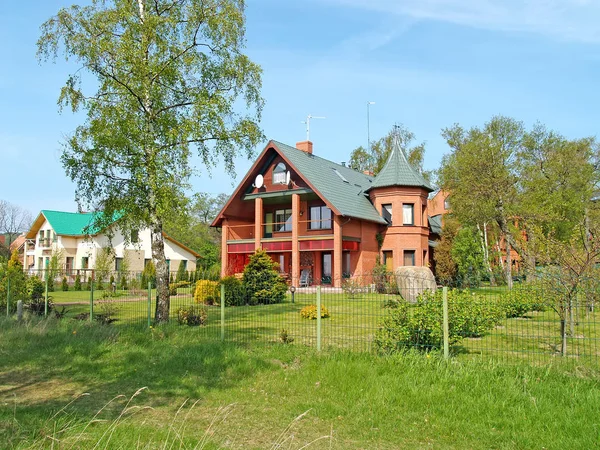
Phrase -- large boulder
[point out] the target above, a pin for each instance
(413, 280)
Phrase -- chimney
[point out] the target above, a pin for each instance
(368, 172)
(305, 146)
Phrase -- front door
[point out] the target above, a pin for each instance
(327, 268)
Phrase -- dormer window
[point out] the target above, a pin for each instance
(279, 174)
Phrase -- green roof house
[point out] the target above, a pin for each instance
(322, 221)
(77, 241)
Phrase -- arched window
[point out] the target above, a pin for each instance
(279, 174)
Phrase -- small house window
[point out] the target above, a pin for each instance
(283, 220)
(408, 214)
(409, 257)
(279, 174)
(386, 212)
(118, 264)
(85, 262)
(447, 203)
(320, 218)
(388, 259)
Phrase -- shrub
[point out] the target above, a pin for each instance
(262, 281)
(38, 306)
(521, 300)
(65, 285)
(310, 312)
(285, 337)
(420, 325)
(390, 303)
(149, 275)
(174, 286)
(192, 315)
(123, 286)
(235, 294)
(206, 292)
(181, 272)
(351, 288)
(35, 288)
(77, 285)
(88, 284)
(107, 310)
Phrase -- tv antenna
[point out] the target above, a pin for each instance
(307, 122)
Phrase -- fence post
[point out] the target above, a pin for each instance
(8, 297)
(46, 295)
(445, 325)
(92, 298)
(20, 310)
(318, 318)
(149, 304)
(222, 312)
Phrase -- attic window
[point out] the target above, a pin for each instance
(340, 175)
(279, 174)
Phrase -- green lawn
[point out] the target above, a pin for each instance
(247, 396)
(352, 324)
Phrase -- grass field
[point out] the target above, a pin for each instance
(353, 324)
(240, 396)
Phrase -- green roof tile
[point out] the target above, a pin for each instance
(397, 171)
(343, 187)
(71, 224)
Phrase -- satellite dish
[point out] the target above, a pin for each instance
(287, 177)
(259, 181)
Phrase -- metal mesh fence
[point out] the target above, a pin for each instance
(535, 321)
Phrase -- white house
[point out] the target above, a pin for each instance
(69, 233)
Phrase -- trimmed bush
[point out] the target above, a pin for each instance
(310, 312)
(262, 281)
(77, 285)
(420, 325)
(206, 292)
(192, 315)
(65, 285)
(174, 286)
(235, 293)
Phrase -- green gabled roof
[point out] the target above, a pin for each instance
(397, 171)
(348, 197)
(435, 224)
(71, 224)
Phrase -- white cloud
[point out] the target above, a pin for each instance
(572, 20)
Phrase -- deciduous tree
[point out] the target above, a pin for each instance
(169, 78)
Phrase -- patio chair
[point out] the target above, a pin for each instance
(305, 278)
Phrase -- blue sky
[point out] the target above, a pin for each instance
(426, 63)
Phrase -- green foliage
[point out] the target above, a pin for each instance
(467, 253)
(88, 284)
(65, 284)
(380, 277)
(445, 266)
(420, 325)
(123, 285)
(174, 286)
(235, 293)
(105, 261)
(193, 315)
(35, 288)
(310, 312)
(177, 80)
(77, 285)
(262, 281)
(206, 292)
(375, 159)
(149, 275)
(285, 337)
(181, 272)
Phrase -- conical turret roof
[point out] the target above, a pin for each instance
(397, 171)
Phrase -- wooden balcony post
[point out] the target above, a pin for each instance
(258, 222)
(337, 252)
(295, 247)
(224, 255)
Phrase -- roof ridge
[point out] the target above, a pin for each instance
(312, 155)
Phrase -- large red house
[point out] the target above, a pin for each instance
(323, 219)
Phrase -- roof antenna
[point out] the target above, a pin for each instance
(307, 122)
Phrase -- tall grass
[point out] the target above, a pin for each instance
(67, 384)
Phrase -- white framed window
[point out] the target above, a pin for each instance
(408, 214)
(320, 218)
(279, 174)
(283, 220)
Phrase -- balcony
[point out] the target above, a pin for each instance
(44, 242)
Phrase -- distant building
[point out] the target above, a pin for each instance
(70, 234)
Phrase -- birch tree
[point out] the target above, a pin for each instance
(158, 80)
